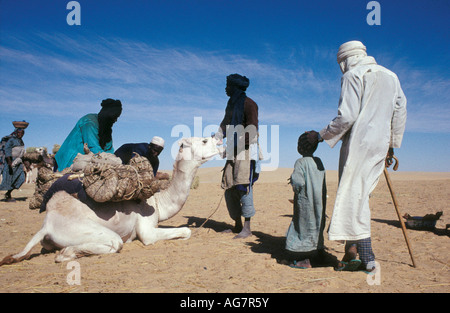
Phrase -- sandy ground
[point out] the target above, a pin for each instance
(213, 262)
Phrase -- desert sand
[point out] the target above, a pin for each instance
(214, 262)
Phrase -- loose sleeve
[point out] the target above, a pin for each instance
(348, 110)
(9, 145)
(297, 177)
(398, 122)
(89, 134)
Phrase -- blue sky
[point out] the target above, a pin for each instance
(167, 61)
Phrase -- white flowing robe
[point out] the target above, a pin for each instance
(371, 118)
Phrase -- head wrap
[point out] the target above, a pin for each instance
(108, 115)
(349, 49)
(111, 110)
(238, 81)
(111, 103)
(157, 141)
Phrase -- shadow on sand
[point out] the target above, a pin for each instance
(265, 243)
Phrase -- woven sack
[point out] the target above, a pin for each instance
(111, 182)
(82, 160)
(45, 179)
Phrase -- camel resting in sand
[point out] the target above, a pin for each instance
(77, 230)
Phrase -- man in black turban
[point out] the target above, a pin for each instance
(93, 129)
(240, 126)
(108, 115)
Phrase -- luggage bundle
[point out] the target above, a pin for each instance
(45, 178)
(111, 182)
(105, 178)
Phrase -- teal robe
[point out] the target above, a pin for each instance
(85, 131)
(305, 232)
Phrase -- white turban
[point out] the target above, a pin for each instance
(158, 141)
(349, 49)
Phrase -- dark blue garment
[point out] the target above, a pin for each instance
(236, 102)
(239, 203)
(17, 178)
(252, 179)
(235, 107)
(71, 187)
(126, 153)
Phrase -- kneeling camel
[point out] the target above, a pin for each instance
(77, 230)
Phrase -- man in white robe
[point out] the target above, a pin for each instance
(370, 122)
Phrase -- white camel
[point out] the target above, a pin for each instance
(77, 230)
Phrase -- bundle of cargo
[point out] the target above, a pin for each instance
(33, 157)
(45, 178)
(111, 182)
(104, 178)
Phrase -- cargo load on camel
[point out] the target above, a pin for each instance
(104, 178)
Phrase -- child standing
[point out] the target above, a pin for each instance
(304, 238)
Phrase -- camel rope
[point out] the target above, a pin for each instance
(215, 210)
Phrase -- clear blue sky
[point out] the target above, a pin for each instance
(167, 61)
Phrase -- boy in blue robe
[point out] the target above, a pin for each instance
(304, 238)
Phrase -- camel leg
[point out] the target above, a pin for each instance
(72, 227)
(153, 235)
(99, 240)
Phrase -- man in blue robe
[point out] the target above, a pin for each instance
(93, 129)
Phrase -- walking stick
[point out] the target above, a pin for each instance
(388, 180)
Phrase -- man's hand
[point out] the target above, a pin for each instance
(389, 157)
(312, 136)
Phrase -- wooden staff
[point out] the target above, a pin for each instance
(389, 183)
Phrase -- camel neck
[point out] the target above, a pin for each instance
(172, 200)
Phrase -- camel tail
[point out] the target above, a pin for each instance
(15, 258)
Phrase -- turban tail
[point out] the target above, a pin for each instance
(110, 112)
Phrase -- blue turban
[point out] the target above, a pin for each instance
(239, 81)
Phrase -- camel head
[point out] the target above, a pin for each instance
(198, 149)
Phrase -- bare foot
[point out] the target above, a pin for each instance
(236, 229)
(243, 234)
